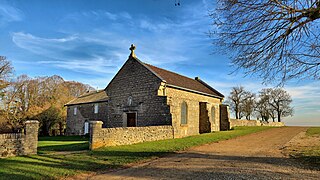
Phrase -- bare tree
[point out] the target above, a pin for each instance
(274, 39)
(235, 98)
(263, 107)
(262, 110)
(5, 73)
(248, 104)
(279, 102)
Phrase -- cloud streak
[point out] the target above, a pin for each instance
(72, 52)
(104, 49)
(9, 14)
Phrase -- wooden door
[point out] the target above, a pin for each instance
(131, 120)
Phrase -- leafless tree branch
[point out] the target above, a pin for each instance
(276, 40)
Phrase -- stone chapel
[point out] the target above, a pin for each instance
(141, 94)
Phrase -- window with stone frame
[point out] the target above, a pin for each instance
(75, 111)
(184, 113)
(213, 114)
(96, 108)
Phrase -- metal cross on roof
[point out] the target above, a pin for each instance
(132, 48)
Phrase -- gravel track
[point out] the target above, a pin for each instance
(253, 156)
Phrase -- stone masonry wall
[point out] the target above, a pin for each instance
(134, 89)
(240, 122)
(224, 117)
(175, 97)
(275, 124)
(85, 112)
(20, 143)
(100, 137)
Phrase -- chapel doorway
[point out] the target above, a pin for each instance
(131, 119)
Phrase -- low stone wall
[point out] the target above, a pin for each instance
(276, 124)
(100, 137)
(240, 122)
(25, 143)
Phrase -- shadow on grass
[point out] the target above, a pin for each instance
(51, 166)
(62, 143)
(64, 147)
(313, 162)
(63, 138)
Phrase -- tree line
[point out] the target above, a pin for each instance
(269, 103)
(24, 98)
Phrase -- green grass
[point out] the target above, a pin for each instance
(62, 143)
(313, 131)
(310, 155)
(50, 165)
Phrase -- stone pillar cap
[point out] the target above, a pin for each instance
(32, 121)
(96, 122)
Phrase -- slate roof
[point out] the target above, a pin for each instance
(89, 97)
(184, 82)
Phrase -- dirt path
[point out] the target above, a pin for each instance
(254, 156)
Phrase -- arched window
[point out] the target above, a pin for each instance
(96, 108)
(75, 111)
(213, 114)
(184, 113)
(86, 127)
(129, 101)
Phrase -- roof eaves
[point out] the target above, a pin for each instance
(98, 101)
(194, 91)
(208, 86)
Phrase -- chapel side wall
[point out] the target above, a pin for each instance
(136, 81)
(85, 112)
(175, 97)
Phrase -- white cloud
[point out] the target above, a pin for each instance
(165, 43)
(9, 14)
(310, 90)
(96, 15)
(93, 66)
(72, 52)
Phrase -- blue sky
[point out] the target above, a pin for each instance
(88, 41)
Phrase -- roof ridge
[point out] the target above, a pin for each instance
(171, 72)
(196, 81)
(90, 93)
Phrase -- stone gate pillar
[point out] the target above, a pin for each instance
(95, 129)
(31, 137)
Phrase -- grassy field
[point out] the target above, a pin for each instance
(311, 154)
(313, 131)
(66, 156)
